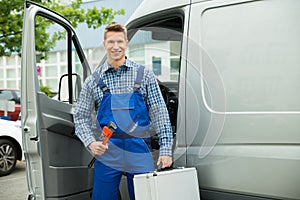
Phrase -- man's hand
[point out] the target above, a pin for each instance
(165, 160)
(98, 148)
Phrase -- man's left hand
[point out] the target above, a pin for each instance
(165, 160)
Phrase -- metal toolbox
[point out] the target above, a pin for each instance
(175, 184)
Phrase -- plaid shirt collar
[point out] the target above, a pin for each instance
(106, 66)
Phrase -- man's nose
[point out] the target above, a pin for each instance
(116, 45)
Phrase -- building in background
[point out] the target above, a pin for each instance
(91, 41)
(49, 70)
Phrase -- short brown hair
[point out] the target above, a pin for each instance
(115, 27)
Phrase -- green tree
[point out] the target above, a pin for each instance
(11, 21)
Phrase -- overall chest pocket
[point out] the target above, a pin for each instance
(122, 102)
(123, 111)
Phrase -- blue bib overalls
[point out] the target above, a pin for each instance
(129, 147)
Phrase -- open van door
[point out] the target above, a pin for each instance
(57, 163)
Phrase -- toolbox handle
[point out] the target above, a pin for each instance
(159, 169)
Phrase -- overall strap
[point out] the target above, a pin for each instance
(139, 78)
(100, 83)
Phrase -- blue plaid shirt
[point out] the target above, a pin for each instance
(122, 81)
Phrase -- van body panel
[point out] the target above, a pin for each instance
(150, 7)
(246, 139)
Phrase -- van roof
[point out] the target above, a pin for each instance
(152, 6)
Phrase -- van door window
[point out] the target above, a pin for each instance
(52, 67)
(158, 47)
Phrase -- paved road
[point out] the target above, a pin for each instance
(14, 186)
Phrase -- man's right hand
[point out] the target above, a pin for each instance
(98, 148)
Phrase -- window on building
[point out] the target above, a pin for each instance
(1, 73)
(11, 73)
(63, 56)
(175, 65)
(156, 65)
(11, 84)
(10, 61)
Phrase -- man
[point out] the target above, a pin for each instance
(127, 94)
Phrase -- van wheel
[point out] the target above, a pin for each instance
(8, 157)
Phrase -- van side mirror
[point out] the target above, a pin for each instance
(65, 89)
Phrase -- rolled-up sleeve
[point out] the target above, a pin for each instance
(159, 114)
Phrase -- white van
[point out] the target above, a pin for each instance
(230, 74)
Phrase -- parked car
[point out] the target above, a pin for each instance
(11, 95)
(10, 145)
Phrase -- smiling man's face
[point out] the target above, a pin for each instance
(115, 45)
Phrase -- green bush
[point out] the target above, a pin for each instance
(46, 90)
